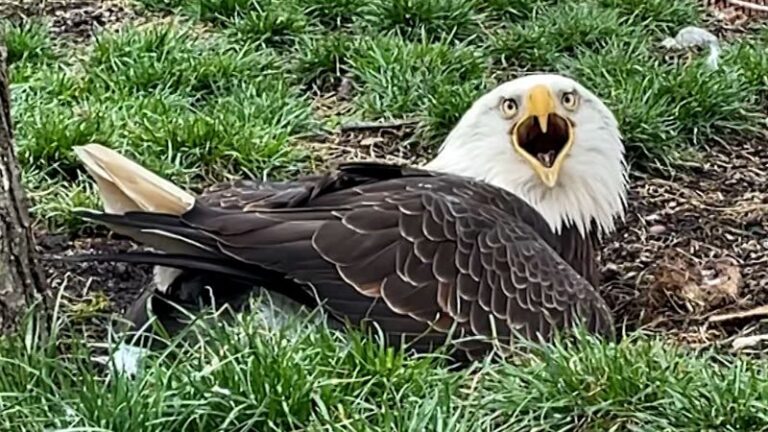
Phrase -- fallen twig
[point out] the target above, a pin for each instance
(377, 125)
(758, 311)
(748, 341)
(748, 5)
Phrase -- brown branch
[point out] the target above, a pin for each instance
(377, 126)
(749, 5)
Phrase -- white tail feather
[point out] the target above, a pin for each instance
(125, 185)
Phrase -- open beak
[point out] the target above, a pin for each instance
(542, 136)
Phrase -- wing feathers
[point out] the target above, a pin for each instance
(444, 262)
(404, 299)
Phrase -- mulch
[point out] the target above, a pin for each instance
(693, 246)
(71, 20)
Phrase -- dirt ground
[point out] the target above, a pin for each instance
(72, 20)
(692, 248)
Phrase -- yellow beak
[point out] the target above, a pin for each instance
(541, 105)
(543, 137)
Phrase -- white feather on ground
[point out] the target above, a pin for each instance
(693, 37)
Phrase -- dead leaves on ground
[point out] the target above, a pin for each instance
(694, 287)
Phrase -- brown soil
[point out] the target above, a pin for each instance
(693, 246)
(74, 20)
(738, 12)
(94, 296)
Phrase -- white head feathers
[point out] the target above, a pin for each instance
(590, 179)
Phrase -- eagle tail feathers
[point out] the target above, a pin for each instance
(156, 230)
(126, 186)
(178, 261)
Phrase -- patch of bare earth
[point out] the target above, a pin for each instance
(729, 19)
(393, 141)
(694, 247)
(738, 10)
(91, 293)
(75, 20)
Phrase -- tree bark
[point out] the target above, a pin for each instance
(21, 281)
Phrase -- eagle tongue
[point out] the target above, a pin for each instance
(547, 159)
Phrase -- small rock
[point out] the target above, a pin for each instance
(657, 229)
(345, 89)
(121, 268)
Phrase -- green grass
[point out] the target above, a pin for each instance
(276, 24)
(186, 105)
(246, 376)
(28, 41)
(424, 19)
(225, 87)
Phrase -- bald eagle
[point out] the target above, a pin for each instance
(495, 237)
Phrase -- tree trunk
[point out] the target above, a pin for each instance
(21, 282)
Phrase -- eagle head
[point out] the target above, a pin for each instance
(549, 140)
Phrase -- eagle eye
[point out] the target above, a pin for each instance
(508, 107)
(569, 100)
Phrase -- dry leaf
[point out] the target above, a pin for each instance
(748, 341)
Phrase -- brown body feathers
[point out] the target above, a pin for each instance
(419, 253)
